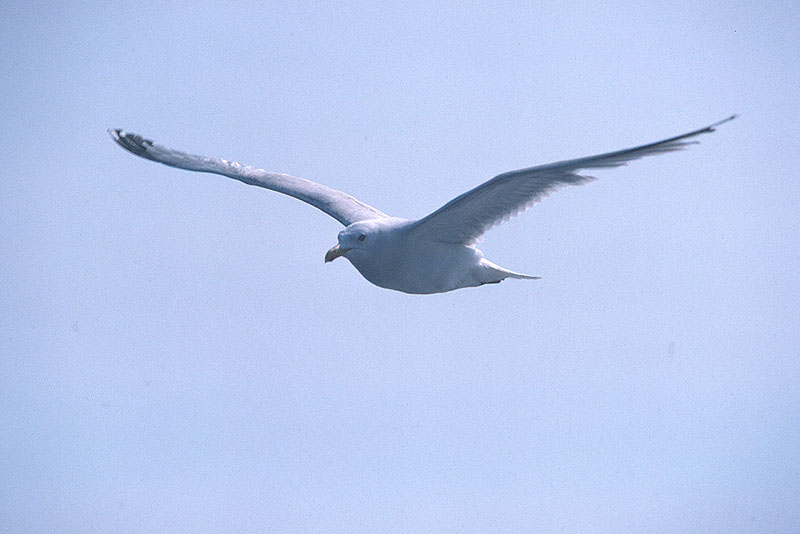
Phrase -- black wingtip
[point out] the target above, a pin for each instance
(723, 121)
(131, 142)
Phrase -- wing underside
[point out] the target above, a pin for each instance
(467, 217)
(339, 205)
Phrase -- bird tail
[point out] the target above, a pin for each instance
(496, 273)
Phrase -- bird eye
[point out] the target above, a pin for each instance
(362, 237)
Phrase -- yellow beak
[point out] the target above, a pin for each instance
(334, 253)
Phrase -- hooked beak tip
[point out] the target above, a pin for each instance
(334, 253)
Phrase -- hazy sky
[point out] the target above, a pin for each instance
(176, 357)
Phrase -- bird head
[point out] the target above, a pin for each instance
(368, 238)
(355, 237)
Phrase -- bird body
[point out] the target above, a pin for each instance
(433, 254)
(391, 255)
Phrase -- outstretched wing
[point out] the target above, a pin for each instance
(467, 217)
(337, 204)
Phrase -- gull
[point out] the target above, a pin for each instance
(433, 254)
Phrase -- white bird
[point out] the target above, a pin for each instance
(430, 255)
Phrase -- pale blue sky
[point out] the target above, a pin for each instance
(175, 356)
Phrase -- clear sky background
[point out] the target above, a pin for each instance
(176, 357)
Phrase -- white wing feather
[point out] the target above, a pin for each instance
(337, 204)
(467, 217)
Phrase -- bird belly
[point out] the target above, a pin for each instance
(437, 268)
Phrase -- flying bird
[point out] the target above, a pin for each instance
(433, 254)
